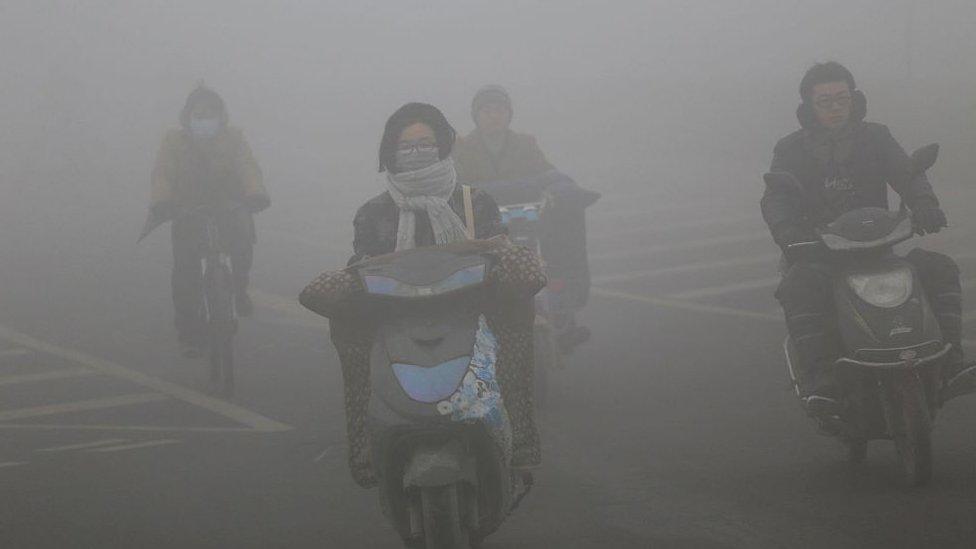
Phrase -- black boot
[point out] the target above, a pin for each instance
(242, 301)
(958, 377)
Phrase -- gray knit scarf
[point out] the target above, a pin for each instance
(429, 190)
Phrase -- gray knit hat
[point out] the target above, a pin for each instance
(489, 94)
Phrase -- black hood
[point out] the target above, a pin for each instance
(203, 94)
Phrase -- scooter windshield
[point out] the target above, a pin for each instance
(525, 212)
(432, 384)
(389, 286)
(867, 228)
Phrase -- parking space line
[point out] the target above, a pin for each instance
(670, 303)
(45, 376)
(132, 428)
(288, 307)
(688, 268)
(81, 406)
(4, 464)
(14, 353)
(689, 224)
(136, 445)
(754, 236)
(306, 241)
(236, 413)
(82, 445)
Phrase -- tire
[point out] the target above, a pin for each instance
(545, 356)
(857, 451)
(913, 437)
(222, 325)
(442, 518)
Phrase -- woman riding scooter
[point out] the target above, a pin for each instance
(423, 206)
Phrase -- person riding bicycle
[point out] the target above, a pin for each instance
(494, 152)
(204, 163)
(844, 163)
(424, 205)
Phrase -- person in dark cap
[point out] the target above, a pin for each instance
(206, 162)
(493, 152)
(844, 163)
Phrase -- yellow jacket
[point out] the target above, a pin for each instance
(190, 174)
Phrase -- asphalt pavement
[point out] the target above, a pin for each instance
(674, 427)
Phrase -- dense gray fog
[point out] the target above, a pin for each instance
(673, 427)
(658, 98)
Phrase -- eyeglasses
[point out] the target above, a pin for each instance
(419, 146)
(826, 102)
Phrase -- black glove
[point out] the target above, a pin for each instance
(795, 235)
(257, 202)
(929, 218)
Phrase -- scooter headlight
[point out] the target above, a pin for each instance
(889, 289)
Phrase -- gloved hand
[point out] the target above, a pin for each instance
(257, 202)
(795, 235)
(929, 218)
(163, 211)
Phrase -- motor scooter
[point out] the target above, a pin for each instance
(440, 435)
(893, 347)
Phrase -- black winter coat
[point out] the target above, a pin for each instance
(839, 175)
(377, 220)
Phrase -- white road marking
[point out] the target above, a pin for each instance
(670, 303)
(4, 464)
(307, 241)
(713, 291)
(136, 445)
(45, 376)
(289, 307)
(82, 445)
(328, 450)
(132, 428)
(241, 415)
(689, 224)
(755, 236)
(14, 353)
(688, 268)
(81, 406)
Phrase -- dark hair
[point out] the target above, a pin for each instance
(410, 114)
(203, 95)
(821, 73)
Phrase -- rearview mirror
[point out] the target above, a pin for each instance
(925, 157)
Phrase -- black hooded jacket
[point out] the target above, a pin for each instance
(839, 172)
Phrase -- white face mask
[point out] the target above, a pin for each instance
(204, 128)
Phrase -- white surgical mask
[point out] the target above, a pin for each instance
(416, 157)
(204, 128)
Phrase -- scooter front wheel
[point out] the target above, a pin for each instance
(913, 431)
(442, 518)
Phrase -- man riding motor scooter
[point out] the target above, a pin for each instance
(843, 163)
(499, 160)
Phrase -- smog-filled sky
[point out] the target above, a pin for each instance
(616, 92)
(673, 426)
